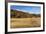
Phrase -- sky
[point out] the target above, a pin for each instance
(29, 9)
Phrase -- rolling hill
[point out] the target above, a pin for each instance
(20, 14)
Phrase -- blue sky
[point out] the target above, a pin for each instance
(30, 9)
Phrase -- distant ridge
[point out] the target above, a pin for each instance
(20, 14)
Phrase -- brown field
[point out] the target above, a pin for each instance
(25, 22)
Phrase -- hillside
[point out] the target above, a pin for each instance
(21, 19)
(20, 14)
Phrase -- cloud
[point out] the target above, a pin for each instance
(31, 12)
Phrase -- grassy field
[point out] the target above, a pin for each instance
(25, 22)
